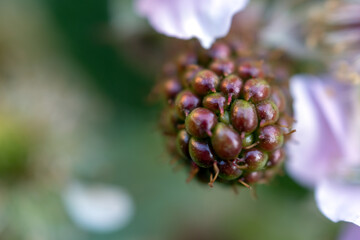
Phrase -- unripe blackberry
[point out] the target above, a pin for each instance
(201, 153)
(222, 67)
(278, 98)
(253, 177)
(200, 122)
(229, 170)
(172, 87)
(182, 143)
(255, 159)
(270, 138)
(243, 116)
(256, 90)
(205, 81)
(268, 112)
(185, 60)
(185, 102)
(231, 87)
(215, 102)
(226, 142)
(247, 71)
(226, 122)
(219, 50)
(276, 158)
(189, 74)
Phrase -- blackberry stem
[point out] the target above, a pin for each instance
(241, 167)
(213, 179)
(289, 133)
(251, 146)
(192, 174)
(244, 183)
(283, 126)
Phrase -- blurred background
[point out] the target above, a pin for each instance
(81, 156)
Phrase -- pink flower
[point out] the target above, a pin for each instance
(351, 232)
(203, 19)
(327, 156)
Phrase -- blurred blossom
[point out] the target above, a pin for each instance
(203, 19)
(348, 69)
(98, 208)
(351, 232)
(334, 29)
(283, 28)
(327, 154)
(335, 26)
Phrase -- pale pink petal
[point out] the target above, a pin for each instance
(340, 103)
(98, 208)
(339, 200)
(203, 19)
(316, 150)
(351, 232)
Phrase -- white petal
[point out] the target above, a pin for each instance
(339, 201)
(316, 149)
(351, 232)
(339, 104)
(203, 19)
(98, 208)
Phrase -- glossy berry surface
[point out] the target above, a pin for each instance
(226, 142)
(204, 82)
(278, 97)
(229, 170)
(255, 159)
(253, 177)
(243, 116)
(276, 158)
(182, 143)
(200, 123)
(247, 71)
(248, 140)
(256, 90)
(231, 87)
(222, 67)
(215, 102)
(224, 117)
(270, 138)
(268, 112)
(185, 102)
(201, 153)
